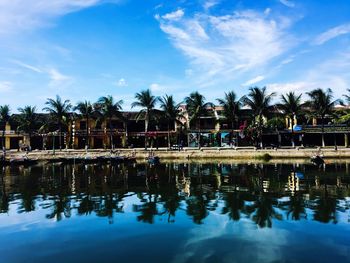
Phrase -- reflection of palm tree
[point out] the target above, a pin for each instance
(109, 205)
(264, 211)
(4, 205)
(234, 204)
(326, 208)
(148, 209)
(196, 207)
(61, 205)
(296, 207)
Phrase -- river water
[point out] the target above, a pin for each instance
(175, 212)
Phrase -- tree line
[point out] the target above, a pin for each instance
(320, 104)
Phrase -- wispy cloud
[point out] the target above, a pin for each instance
(27, 66)
(230, 44)
(255, 80)
(58, 79)
(332, 33)
(5, 86)
(122, 83)
(29, 14)
(288, 3)
(174, 16)
(210, 3)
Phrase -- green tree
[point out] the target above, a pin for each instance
(86, 110)
(59, 111)
(147, 102)
(28, 120)
(109, 108)
(292, 108)
(171, 111)
(197, 107)
(4, 118)
(231, 107)
(260, 103)
(321, 103)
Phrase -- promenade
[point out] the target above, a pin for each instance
(240, 153)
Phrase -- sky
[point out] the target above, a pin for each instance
(84, 49)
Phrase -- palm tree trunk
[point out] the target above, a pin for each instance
(60, 136)
(260, 131)
(146, 130)
(292, 120)
(232, 132)
(110, 133)
(87, 142)
(3, 139)
(126, 135)
(323, 142)
(199, 131)
(169, 144)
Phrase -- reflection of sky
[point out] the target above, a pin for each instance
(218, 239)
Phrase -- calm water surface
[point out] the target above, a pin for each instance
(187, 212)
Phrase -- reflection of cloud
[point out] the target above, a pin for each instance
(242, 242)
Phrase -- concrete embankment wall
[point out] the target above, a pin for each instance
(205, 153)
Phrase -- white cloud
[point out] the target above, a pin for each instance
(267, 11)
(210, 3)
(297, 87)
(122, 83)
(17, 15)
(332, 33)
(174, 16)
(228, 45)
(156, 87)
(57, 79)
(5, 86)
(27, 66)
(288, 3)
(254, 80)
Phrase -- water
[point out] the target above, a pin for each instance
(176, 212)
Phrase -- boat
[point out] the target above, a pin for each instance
(317, 160)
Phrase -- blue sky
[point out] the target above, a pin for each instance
(83, 49)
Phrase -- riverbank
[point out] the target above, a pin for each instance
(243, 153)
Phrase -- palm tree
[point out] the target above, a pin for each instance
(260, 103)
(197, 107)
(171, 112)
(4, 118)
(321, 103)
(147, 102)
(291, 107)
(231, 108)
(28, 120)
(86, 110)
(59, 111)
(109, 108)
(347, 97)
